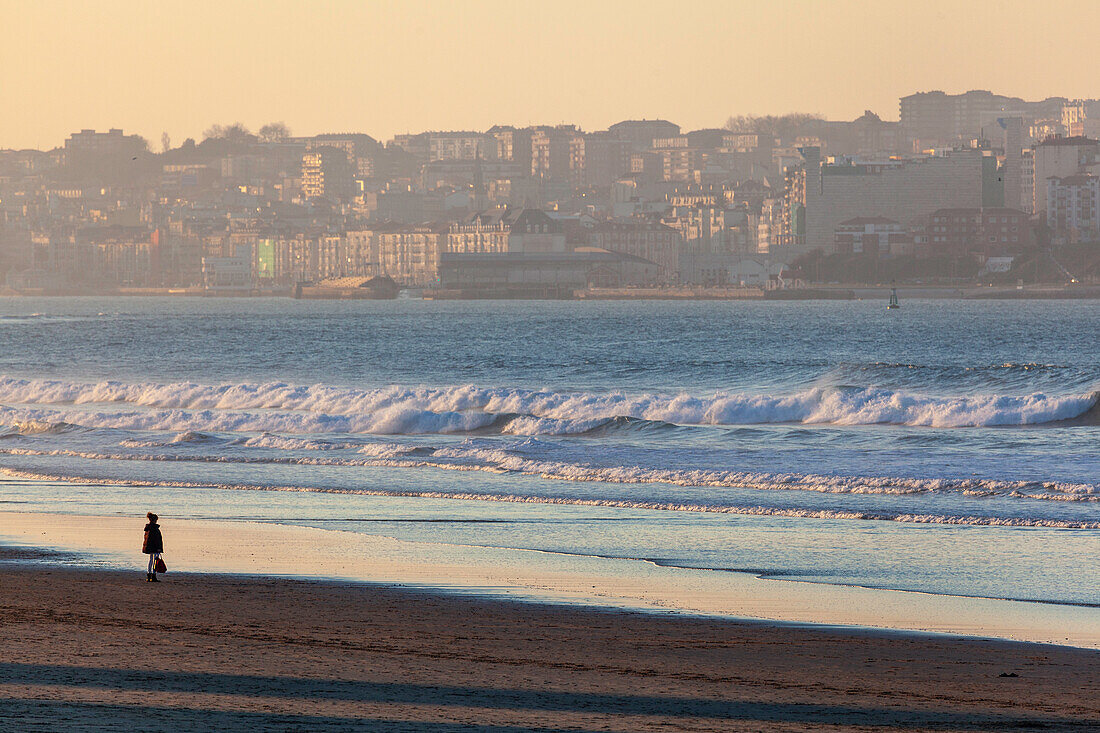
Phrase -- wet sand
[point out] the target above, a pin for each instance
(260, 548)
(103, 650)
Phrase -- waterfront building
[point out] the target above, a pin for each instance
(233, 274)
(362, 253)
(986, 232)
(876, 236)
(410, 253)
(533, 230)
(644, 238)
(484, 232)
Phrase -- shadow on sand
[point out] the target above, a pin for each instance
(65, 715)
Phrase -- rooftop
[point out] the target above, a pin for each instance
(1075, 140)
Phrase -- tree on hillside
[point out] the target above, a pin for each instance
(785, 127)
(234, 134)
(165, 142)
(274, 132)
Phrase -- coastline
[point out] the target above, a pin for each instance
(813, 292)
(237, 654)
(250, 548)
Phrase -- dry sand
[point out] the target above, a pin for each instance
(102, 650)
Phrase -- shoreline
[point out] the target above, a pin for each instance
(532, 576)
(812, 293)
(240, 654)
(44, 559)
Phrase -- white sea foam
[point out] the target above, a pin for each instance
(467, 458)
(401, 410)
(608, 503)
(393, 421)
(284, 442)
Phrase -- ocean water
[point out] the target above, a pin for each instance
(947, 447)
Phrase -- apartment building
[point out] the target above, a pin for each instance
(89, 144)
(1073, 208)
(410, 254)
(326, 174)
(485, 232)
(1059, 157)
(643, 238)
(984, 231)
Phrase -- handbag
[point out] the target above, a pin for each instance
(159, 566)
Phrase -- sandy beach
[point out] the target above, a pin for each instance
(299, 552)
(103, 650)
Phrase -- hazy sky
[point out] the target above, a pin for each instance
(384, 67)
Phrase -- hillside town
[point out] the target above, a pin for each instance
(964, 189)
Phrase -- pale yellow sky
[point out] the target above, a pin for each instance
(385, 67)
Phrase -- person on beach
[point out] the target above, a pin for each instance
(152, 546)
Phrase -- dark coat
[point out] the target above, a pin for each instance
(153, 541)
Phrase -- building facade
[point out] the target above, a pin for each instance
(904, 191)
(1073, 208)
(643, 238)
(987, 232)
(875, 236)
(1059, 157)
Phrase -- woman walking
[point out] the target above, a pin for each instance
(152, 546)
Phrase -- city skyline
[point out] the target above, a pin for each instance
(352, 68)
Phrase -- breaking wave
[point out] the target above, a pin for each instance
(278, 407)
(38, 427)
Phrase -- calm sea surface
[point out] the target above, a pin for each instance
(947, 447)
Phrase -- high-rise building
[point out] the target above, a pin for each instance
(1059, 157)
(1073, 207)
(550, 149)
(1012, 140)
(326, 174)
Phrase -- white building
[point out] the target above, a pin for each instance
(227, 273)
(1073, 207)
